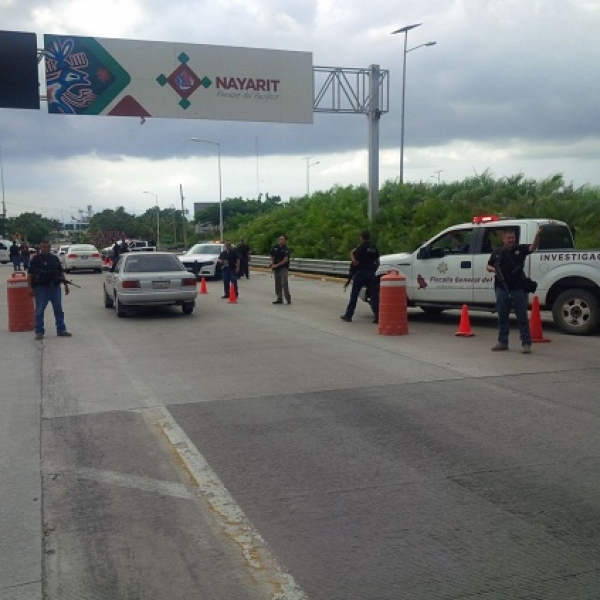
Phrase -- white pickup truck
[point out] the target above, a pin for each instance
(450, 270)
(133, 245)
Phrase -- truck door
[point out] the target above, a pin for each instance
(443, 269)
(489, 239)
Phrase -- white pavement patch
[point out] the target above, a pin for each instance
(133, 482)
(209, 489)
(265, 568)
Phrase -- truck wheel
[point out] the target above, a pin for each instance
(108, 301)
(576, 311)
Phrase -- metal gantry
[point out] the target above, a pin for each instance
(343, 90)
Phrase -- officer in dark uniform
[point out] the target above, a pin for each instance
(244, 253)
(45, 277)
(280, 264)
(116, 252)
(365, 259)
(230, 267)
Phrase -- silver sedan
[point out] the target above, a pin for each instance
(149, 279)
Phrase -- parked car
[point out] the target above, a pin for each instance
(62, 250)
(149, 279)
(4, 255)
(81, 257)
(201, 259)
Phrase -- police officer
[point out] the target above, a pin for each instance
(280, 264)
(116, 252)
(508, 264)
(365, 259)
(230, 267)
(44, 277)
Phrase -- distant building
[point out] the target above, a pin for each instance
(200, 206)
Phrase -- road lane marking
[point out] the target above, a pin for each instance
(113, 478)
(266, 570)
(209, 489)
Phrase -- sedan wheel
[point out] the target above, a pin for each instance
(108, 301)
(187, 308)
(119, 308)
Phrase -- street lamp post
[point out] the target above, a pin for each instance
(308, 166)
(405, 31)
(157, 219)
(218, 145)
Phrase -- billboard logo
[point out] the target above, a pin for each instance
(184, 81)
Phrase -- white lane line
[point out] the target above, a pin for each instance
(133, 482)
(208, 488)
(265, 568)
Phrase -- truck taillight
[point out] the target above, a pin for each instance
(189, 281)
(131, 284)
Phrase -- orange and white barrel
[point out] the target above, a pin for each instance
(393, 312)
(20, 303)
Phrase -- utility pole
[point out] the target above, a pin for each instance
(4, 224)
(183, 215)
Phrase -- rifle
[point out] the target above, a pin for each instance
(71, 283)
(351, 273)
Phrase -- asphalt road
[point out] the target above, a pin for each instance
(252, 451)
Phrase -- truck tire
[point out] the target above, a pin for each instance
(576, 311)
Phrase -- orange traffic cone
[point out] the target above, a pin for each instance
(535, 323)
(464, 328)
(232, 296)
(203, 288)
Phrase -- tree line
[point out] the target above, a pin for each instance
(326, 224)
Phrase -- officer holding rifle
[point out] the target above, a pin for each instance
(45, 277)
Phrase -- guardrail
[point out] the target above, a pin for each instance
(335, 268)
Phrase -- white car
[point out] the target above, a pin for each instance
(4, 253)
(80, 257)
(201, 259)
(149, 279)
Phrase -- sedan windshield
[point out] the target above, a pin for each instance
(205, 249)
(152, 263)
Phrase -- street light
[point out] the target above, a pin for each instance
(174, 225)
(308, 166)
(218, 145)
(157, 219)
(405, 31)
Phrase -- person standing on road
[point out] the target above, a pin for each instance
(24, 250)
(244, 253)
(280, 264)
(14, 253)
(508, 263)
(230, 266)
(365, 259)
(44, 278)
(116, 252)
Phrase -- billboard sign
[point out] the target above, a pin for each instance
(100, 76)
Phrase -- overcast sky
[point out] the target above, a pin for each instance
(511, 86)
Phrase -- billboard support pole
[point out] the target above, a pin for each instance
(373, 115)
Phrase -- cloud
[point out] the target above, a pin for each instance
(508, 85)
